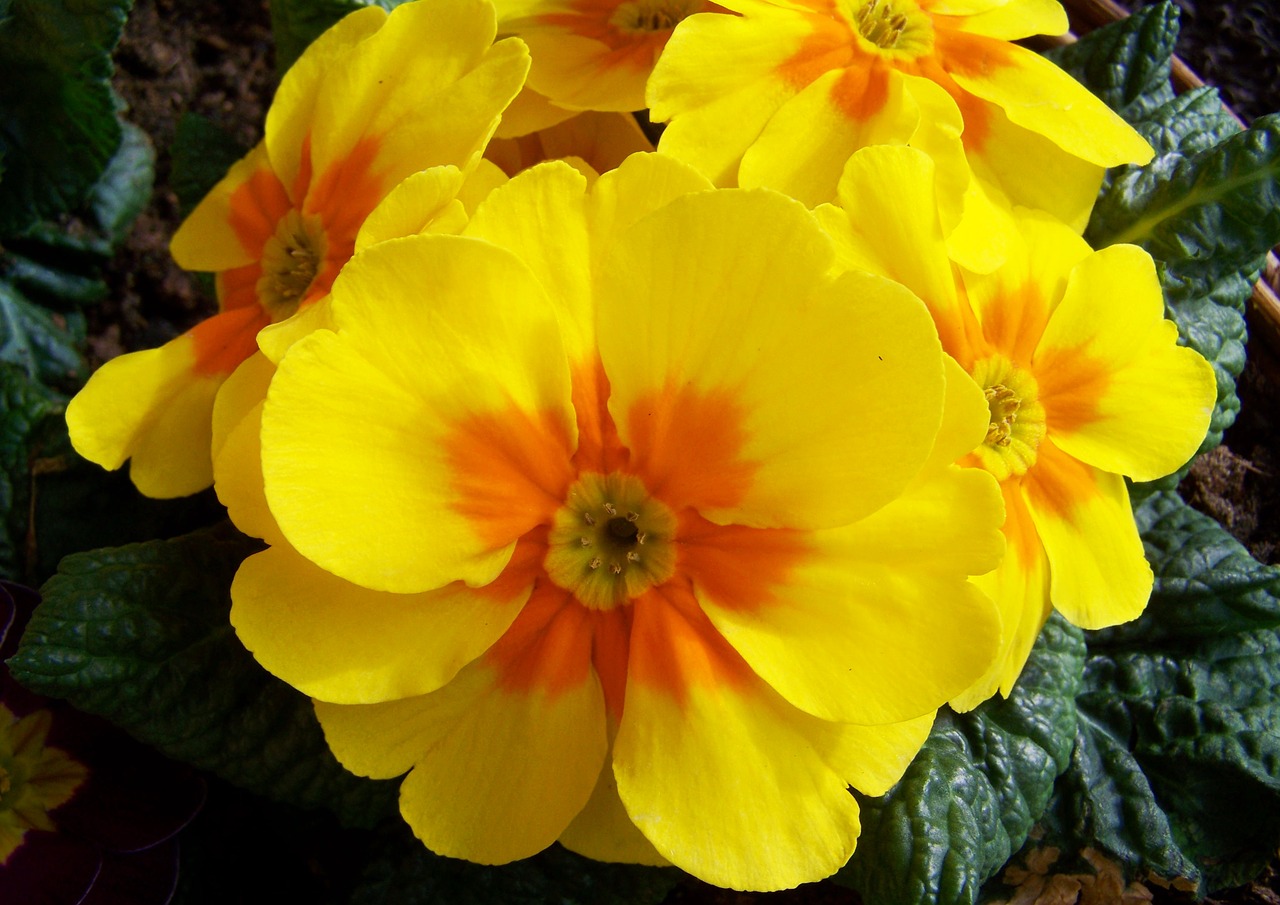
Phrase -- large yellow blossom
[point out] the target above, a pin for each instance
(783, 94)
(373, 100)
(1085, 384)
(612, 525)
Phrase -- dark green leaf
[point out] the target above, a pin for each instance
(58, 125)
(296, 23)
(1126, 64)
(42, 344)
(141, 635)
(25, 408)
(1206, 583)
(969, 799)
(202, 153)
(1190, 123)
(125, 188)
(52, 285)
(405, 873)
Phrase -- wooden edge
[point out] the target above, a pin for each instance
(1264, 303)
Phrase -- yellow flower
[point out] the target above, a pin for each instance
(1084, 381)
(783, 94)
(373, 100)
(638, 535)
(600, 140)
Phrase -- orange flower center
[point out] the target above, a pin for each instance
(291, 258)
(610, 541)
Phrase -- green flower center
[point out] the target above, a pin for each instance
(1017, 419)
(610, 541)
(896, 26)
(290, 261)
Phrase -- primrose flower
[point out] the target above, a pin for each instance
(599, 140)
(374, 99)
(613, 526)
(1084, 381)
(86, 813)
(784, 93)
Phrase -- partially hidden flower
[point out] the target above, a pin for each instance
(599, 140)
(784, 93)
(1085, 385)
(588, 54)
(614, 526)
(374, 99)
(87, 815)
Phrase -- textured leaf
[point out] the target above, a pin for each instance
(125, 187)
(405, 873)
(969, 799)
(1177, 764)
(141, 635)
(202, 152)
(1127, 63)
(42, 344)
(25, 408)
(1192, 122)
(58, 126)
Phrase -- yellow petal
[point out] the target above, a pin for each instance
(237, 449)
(528, 113)
(423, 202)
(833, 408)
(604, 831)
(1014, 20)
(602, 140)
(803, 148)
(873, 758)
(1098, 572)
(1019, 588)
(501, 768)
(1037, 95)
(727, 780)
(414, 446)
(155, 407)
(1119, 392)
(230, 224)
(345, 644)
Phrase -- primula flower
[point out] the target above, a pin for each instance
(613, 525)
(783, 94)
(374, 99)
(1085, 384)
(600, 140)
(87, 815)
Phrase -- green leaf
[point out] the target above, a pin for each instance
(141, 635)
(1190, 123)
(971, 796)
(125, 187)
(1206, 583)
(42, 344)
(1126, 64)
(202, 152)
(1208, 219)
(1177, 764)
(25, 409)
(405, 873)
(58, 125)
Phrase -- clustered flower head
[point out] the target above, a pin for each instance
(650, 502)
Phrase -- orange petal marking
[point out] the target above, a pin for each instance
(686, 446)
(739, 567)
(599, 448)
(512, 470)
(830, 46)
(674, 646)
(610, 654)
(548, 647)
(1014, 324)
(861, 92)
(1072, 383)
(256, 206)
(1019, 531)
(1058, 483)
(228, 338)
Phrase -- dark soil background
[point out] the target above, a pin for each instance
(216, 60)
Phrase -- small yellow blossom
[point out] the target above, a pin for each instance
(35, 778)
(637, 536)
(376, 98)
(782, 94)
(1084, 381)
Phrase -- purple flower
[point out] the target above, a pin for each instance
(88, 816)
